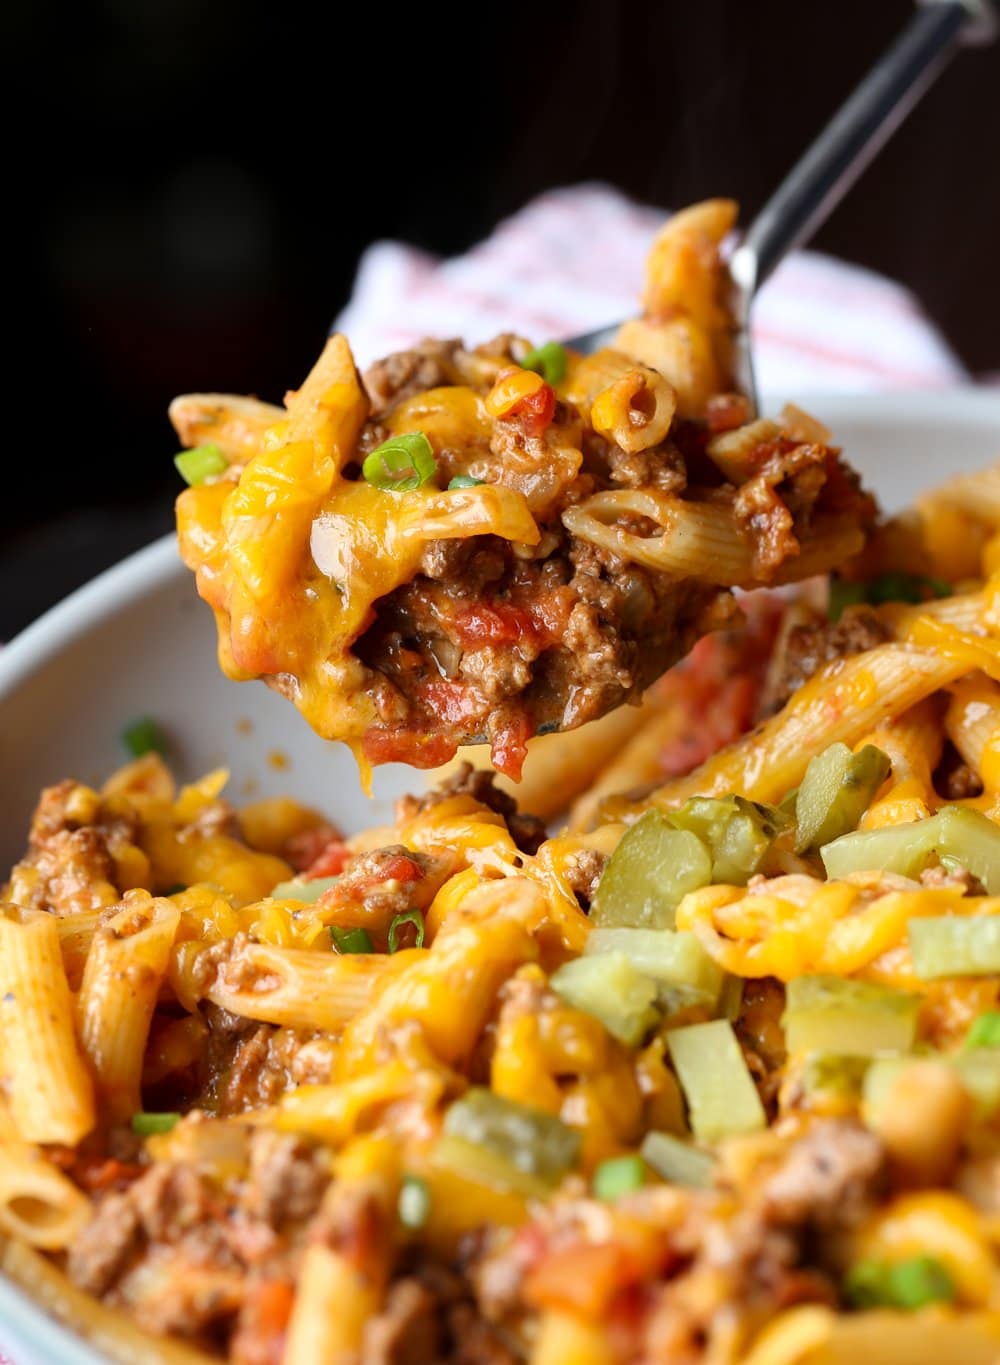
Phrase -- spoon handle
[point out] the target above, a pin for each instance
(821, 178)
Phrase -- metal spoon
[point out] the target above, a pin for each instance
(817, 183)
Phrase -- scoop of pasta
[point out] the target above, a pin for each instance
(503, 540)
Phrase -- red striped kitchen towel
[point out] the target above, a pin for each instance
(573, 260)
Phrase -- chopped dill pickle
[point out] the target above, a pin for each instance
(730, 997)
(955, 945)
(832, 1073)
(672, 958)
(650, 872)
(611, 988)
(972, 839)
(834, 1014)
(836, 790)
(676, 1161)
(980, 1073)
(533, 1142)
(985, 1031)
(481, 1165)
(300, 890)
(906, 849)
(721, 1096)
(738, 833)
(956, 833)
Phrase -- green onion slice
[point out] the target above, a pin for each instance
(912, 1283)
(200, 463)
(144, 736)
(888, 587)
(309, 892)
(464, 481)
(619, 1175)
(351, 940)
(407, 917)
(147, 1125)
(414, 1205)
(549, 361)
(400, 464)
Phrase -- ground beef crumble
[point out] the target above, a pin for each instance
(527, 831)
(808, 647)
(610, 626)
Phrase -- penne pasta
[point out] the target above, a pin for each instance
(237, 426)
(47, 1085)
(125, 967)
(700, 540)
(635, 412)
(295, 987)
(972, 722)
(38, 1204)
(560, 767)
(344, 1278)
(842, 703)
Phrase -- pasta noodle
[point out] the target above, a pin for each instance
(125, 965)
(47, 1086)
(107, 1331)
(843, 703)
(38, 1204)
(699, 539)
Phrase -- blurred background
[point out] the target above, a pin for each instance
(192, 182)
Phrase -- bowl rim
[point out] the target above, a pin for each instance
(154, 566)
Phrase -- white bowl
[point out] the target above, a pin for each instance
(136, 641)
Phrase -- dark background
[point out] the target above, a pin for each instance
(191, 183)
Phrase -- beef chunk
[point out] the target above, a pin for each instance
(404, 373)
(808, 647)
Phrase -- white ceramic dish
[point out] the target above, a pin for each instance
(137, 641)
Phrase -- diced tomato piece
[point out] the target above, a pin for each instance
(726, 411)
(535, 412)
(304, 848)
(510, 746)
(331, 861)
(263, 1325)
(274, 1306)
(550, 612)
(408, 746)
(400, 868)
(107, 1174)
(581, 1279)
(492, 623)
(453, 702)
